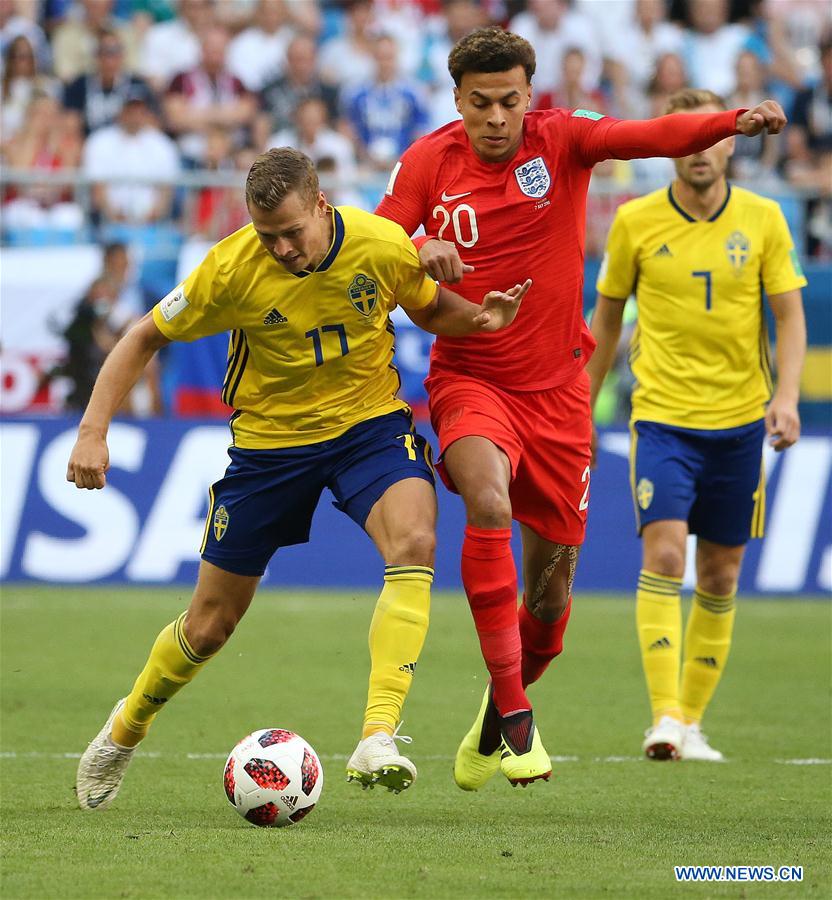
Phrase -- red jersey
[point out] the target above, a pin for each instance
(525, 218)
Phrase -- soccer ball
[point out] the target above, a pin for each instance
(273, 778)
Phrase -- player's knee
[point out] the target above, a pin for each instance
(666, 559)
(488, 507)
(415, 546)
(720, 582)
(207, 633)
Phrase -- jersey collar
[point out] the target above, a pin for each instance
(687, 217)
(334, 247)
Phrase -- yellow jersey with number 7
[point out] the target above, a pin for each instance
(310, 354)
(700, 352)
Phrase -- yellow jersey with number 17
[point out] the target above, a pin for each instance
(310, 354)
(700, 352)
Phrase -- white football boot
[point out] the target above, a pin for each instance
(664, 740)
(695, 746)
(377, 761)
(102, 767)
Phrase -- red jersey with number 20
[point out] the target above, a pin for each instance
(525, 218)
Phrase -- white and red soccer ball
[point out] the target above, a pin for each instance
(273, 777)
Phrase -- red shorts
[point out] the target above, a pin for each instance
(545, 435)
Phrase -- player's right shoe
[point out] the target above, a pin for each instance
(523, 758)
(664, 740)
(478, 756)
(377, 761)
(102, 767)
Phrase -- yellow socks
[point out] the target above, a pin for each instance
(397, 633)
(707, 644)
(171, 665)
(659, 624)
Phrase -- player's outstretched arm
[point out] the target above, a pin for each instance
(606, 329)
(454, 316)
(90, 459)
(782, 418)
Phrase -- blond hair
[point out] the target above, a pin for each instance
(692, 98)
(278, 172)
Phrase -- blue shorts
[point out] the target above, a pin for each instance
(266, 498)
(713, 480)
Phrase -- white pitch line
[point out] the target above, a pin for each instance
(340, 757)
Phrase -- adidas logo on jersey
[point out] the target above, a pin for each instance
(275, 317)
(664, 250)
(660, 644)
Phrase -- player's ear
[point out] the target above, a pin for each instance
(321, 204)
(457, 100)
(730, 145)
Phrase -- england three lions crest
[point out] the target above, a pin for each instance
(533, 178)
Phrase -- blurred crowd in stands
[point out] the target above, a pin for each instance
(155, 109)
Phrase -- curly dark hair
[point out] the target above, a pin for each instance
(490, 49)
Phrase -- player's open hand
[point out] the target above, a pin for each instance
(440, 259)
(765, 116)
(88, 462)
(782, 424)
(500, 307)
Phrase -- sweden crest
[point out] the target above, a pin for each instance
(736, 247)
(533, 178)
(363, 294)
(220, 522)
(644, 492)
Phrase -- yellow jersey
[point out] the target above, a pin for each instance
(700, 352)
(310, 354)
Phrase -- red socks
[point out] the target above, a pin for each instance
(542, 641)
(490, 581)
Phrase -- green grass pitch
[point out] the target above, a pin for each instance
(609, 824)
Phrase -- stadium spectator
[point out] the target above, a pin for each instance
(552, 27)
(670, 76)
(711, 46)
(459, 17)
(13, 25)
(21, 81)
(173, 46)
(133, 165)
(257, 54)
(300, 81)
(98, 96)
(634, 51)
(388, 112)
(810, 152)
(208, 95)
(347, 58)
(217, 209)
(75, 41)
(703, 406)
(48, 141)
(758, 156)
(572, 94)
(313, 136)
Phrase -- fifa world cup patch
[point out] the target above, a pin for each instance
(363, 293)
(173, 304)
(533, 177)
(644, 492)
(221, 518)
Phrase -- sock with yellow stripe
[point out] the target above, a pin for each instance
(397, 633)
(171, 665)
(659, 624)
(707, 644)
